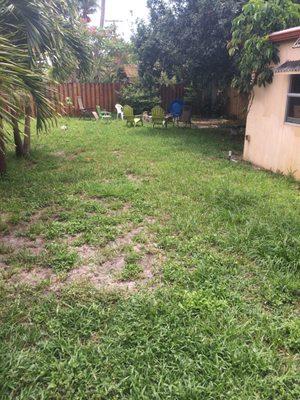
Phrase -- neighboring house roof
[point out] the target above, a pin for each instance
(288, 66)
(131, 71)
(287, 34)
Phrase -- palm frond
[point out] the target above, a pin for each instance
(15, 77)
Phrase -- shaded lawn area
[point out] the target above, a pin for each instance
(141, 264)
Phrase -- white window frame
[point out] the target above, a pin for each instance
(290, 95)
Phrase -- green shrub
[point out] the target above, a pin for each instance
(139, 97)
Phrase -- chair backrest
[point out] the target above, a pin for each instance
(128, 112)
(176, 108)
(119, 108)
(158, 113)
(95, 115)
(186, 115)
(80, 103)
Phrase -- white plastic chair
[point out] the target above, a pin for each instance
(119, 109)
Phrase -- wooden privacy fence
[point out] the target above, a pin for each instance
(170, 93)
(107, 95)
(237, 104)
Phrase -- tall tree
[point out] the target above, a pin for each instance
(110, 52)
(188, 40)
(15, 78)
(250, 45)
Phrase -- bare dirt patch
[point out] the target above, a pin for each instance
(103, 275)
(125, 209)
(5, 217)
(127, 238)
(101, 268)
(33, 277)
(150, 220)
(134, 178)
(3, 265)
(14, 240)
(106, 274)
(37, 216)
(59, 154)
(204, 123)
(147, 263)
(86, 251)
(67, 156)
(118, 153)
(16, 243)
(100, 199)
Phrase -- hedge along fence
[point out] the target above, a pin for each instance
(107, 95)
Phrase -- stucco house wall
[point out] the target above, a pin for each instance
(270, 142)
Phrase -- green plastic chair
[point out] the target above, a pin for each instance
(104, 115)
(131, 119)
(158, 116)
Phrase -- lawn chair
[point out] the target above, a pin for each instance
(84, 112)
(176, 108)
(119, 109)
(104, 115)
(132, 119)
(146, 117)
(158, 117)
(95, 115)
(186, 116)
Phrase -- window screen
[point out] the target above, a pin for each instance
(293, 106)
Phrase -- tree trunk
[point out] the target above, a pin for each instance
(17, 136)
(26, 144)
(2, 150)
(102, 18)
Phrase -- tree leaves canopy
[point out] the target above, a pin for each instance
(187, 39)
(250, 45)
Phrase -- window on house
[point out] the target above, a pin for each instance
(293, 106)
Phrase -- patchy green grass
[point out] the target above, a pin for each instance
(210, 248)
(131, 269)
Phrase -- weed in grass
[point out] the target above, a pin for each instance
(132, 269)
(23, 258)
(131, 272)
(15, 219)
(59, 257)
(5, 249)
(4, 227)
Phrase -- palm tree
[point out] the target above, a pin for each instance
(15, 77)
(46, 33)
(87, 7)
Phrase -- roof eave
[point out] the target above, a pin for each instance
(288, 34)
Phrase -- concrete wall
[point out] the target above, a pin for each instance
(273, 143)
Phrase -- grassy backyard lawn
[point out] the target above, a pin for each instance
(139, 263)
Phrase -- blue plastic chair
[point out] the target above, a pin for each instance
(176, 108)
